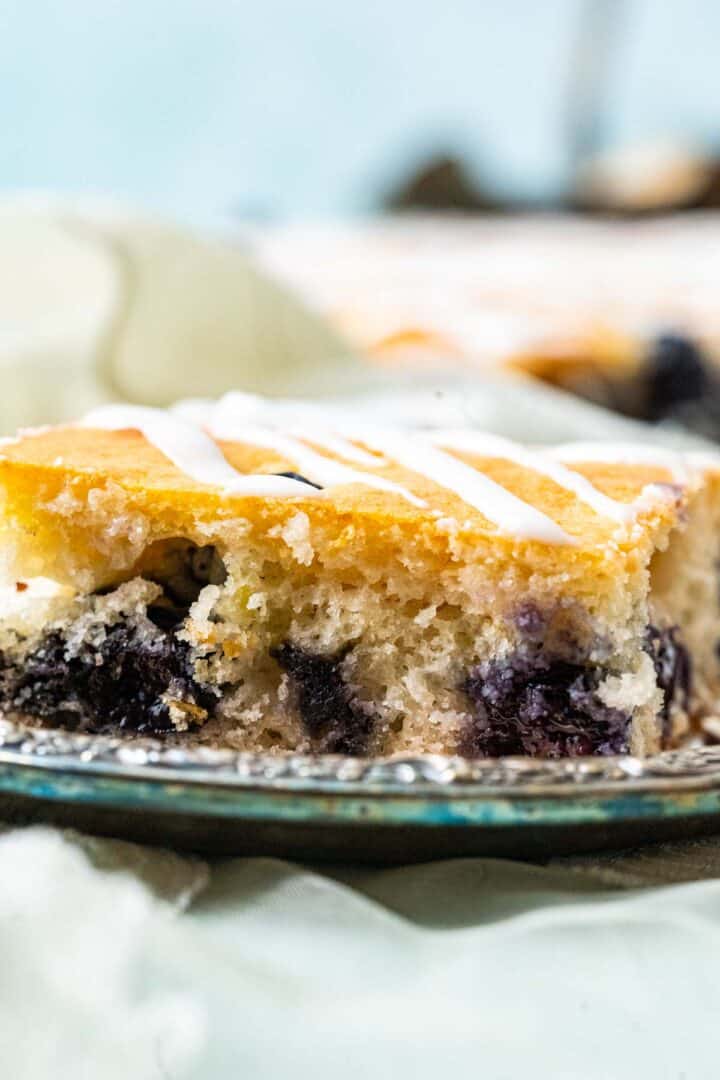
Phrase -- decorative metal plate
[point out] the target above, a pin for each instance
(327, 806)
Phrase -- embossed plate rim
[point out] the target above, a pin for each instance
(689, 769)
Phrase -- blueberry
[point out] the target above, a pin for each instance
(677, 374)
(335, 721)
(119, 684)
(534, 705)
(530, 620)
(301, 479)
(673, 668)
(165, 615)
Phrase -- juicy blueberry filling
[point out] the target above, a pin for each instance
(136, 678)
(332, 717)
(673, 668)
(534, 705)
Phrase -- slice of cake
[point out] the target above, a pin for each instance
(279, 578)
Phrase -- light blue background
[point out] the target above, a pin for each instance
(278, 108)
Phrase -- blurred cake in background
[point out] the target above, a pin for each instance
(101, 304)
(624, 313)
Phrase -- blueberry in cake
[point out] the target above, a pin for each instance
(275, 577)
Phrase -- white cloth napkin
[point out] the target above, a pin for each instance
(119, 962)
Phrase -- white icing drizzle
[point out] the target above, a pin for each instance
(191, 450)
(506, 510)
(494, 446)
(302, 419)
(184, 436)
(197, 455)
(336, 445)
(229, 420)
(680, 466)
(323, 470)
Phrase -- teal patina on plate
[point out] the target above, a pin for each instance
(353, 809)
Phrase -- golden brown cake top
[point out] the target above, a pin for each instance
(217, 461)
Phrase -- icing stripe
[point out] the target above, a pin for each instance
(184, 436)
(196, 454)
(323, 470)
(678, 464)
(336, 445)
(230, 419)
(495, 446)
(504, 509)
(304, 421)
(191, 450)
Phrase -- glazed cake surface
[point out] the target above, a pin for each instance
(276, 577)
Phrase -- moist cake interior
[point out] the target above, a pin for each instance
(188, 645)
